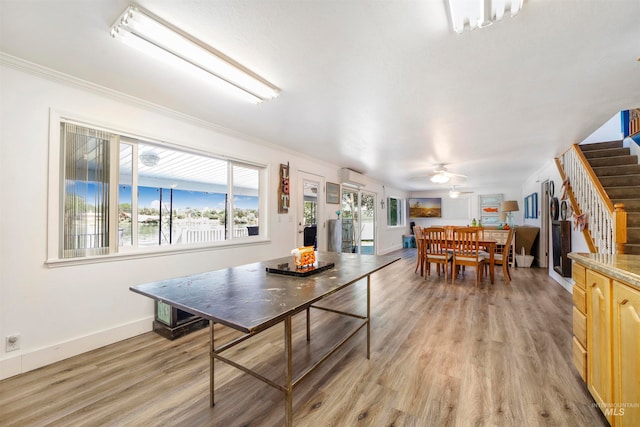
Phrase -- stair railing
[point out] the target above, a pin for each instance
(606, 230)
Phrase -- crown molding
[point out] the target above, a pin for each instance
(75, 82)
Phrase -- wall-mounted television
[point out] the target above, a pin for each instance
(425, 207)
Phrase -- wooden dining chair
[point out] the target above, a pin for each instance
(467, 252)
(417, 230)
(502, 254)
(437, 250)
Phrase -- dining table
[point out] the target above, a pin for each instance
(488, 245)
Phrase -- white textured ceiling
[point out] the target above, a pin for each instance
(383, 87)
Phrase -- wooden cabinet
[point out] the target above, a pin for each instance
(612, 351)
(580, 321)
(626, 353)
(599, 378)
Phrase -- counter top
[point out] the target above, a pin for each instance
(625, 268)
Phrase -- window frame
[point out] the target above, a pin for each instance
(400, 210)
(56, 196)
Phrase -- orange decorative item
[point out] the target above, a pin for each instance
(303, 256)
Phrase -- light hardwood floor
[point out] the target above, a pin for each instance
(441, 355)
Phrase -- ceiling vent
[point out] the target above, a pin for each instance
(351, 178)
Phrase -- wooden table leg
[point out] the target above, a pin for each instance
(492, 264)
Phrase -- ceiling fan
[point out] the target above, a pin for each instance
(453, 193)
(440, 175)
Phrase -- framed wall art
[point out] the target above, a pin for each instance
(531, 206)
(489, 206)
(333, 193)
(425, 207)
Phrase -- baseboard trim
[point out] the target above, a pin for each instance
(26, 362)
(391, 249)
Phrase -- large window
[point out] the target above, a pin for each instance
(121, 194)
(395, 212)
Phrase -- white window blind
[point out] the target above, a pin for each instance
(85, 207)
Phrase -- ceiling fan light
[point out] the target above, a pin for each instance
(440, 178)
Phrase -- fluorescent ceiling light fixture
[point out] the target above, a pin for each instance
(146, 31)
(474, 14)
(440, 178)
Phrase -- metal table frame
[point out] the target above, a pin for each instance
(290, 382)
(250, 300)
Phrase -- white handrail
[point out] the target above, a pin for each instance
(599, 218)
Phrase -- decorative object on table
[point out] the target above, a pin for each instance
(333, 193)
(552, 187)
(425, 207)
(288, 270)
(509, 206)
(284, 200)
(338, 213)
(554, 208)
(503, 220)
(489, 207)
(303, 256)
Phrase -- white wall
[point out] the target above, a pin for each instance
(66, 310)
(509, 192)
(611, 130)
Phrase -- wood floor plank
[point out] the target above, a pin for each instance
(441, 354)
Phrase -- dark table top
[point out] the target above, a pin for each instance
(249, 299)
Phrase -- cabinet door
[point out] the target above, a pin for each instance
(626, 354)
(599, 377)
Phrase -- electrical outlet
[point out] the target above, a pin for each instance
(12, 342)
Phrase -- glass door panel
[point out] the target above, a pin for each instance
(358, 221)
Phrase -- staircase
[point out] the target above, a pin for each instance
(619, 174)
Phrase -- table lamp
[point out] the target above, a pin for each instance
(509, 206)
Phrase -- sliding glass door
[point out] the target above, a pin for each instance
(358, 221)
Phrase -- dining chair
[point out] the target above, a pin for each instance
(417, 230)
(467, 252)
(502, 254)
(437, 250)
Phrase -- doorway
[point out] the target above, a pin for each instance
(358, 221)
(309, 210)
(543, 251)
